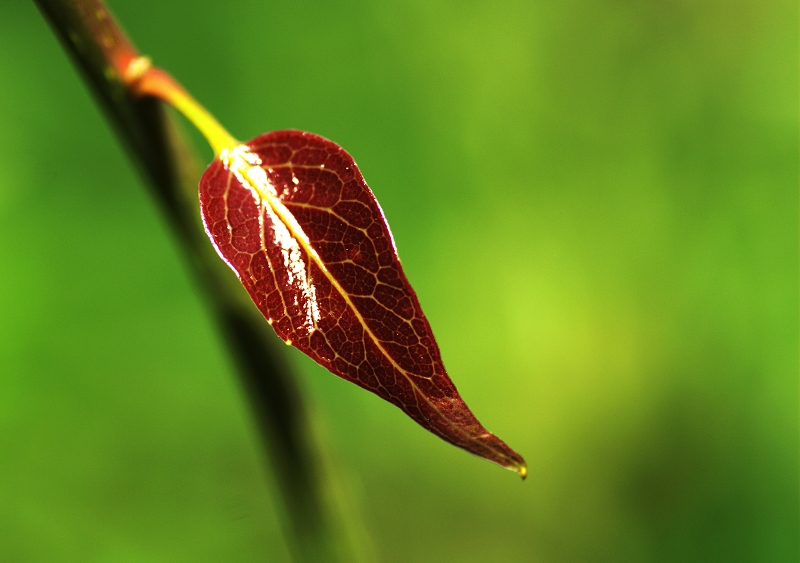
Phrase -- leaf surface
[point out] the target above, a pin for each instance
(293, 217)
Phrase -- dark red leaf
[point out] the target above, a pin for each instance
(291, 214)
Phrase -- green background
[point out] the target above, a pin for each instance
(597, 203)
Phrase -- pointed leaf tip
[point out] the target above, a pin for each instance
(293, 217)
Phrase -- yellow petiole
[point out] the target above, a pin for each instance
(146, 80)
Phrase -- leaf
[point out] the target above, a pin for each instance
(291, 214)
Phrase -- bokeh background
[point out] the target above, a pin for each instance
(597, 202)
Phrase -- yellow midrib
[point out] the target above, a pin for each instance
(294, 227)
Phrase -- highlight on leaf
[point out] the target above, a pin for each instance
(292, 215)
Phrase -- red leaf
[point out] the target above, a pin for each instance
(291, 214)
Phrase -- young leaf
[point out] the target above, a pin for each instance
(293, 217)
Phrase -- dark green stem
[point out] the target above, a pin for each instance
(102, 52)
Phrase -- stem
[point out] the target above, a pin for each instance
(127, 89)
(146, 80)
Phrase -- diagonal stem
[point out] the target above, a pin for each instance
(104, 55)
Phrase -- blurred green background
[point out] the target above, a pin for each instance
(597, 203)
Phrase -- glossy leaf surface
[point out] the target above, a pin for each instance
(293, 217)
